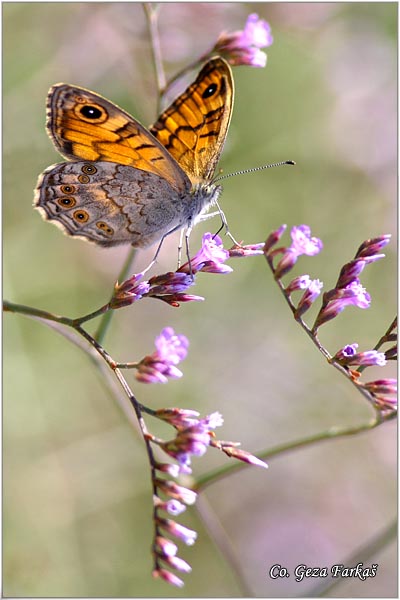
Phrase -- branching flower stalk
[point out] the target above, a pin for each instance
(348, 291)
(194, 435)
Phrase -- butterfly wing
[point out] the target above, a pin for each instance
(193, 129)
(109, 203)
(86, 126)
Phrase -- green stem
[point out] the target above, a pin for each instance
(152, 24)
(36, 312)
(331, 433)
(97, 313)
(106, 320)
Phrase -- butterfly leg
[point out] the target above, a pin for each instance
(187, 236)
(180, 247)
(154, 259)
(221, 213)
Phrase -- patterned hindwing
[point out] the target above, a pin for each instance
(86, 126)
(193, 129)
(110, 204)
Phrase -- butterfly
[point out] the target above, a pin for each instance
(124, 183)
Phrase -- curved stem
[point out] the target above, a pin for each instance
(331, 433)
(36, 312)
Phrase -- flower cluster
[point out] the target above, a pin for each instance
(172, 287)
(193, 437)
(382, 392)
(348, 290)
(244, 47)
(302, 243)
(170, 350)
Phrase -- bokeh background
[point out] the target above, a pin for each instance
(77, 497)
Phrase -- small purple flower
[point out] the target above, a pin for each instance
(180, 418)
(384, 392)
(274, 238)
(172, 470)
(302, 243)
(165, 547)
(178, 563)
(170, 350)
(336, 300)
(188, 536)
(210, 258)
(192, 440)
(346, 352)
(170, 287)
(244, 47)
(309, 297)
(170, 578)
(353, 269)
(129, 291)
(169, 283)
(172, 489)
(302, 282)
(373, 246)
(368, 358)
(382, 386)
(172, 507)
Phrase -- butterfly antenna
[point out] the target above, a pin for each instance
(279, 164)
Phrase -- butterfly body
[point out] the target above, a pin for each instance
(123, 183)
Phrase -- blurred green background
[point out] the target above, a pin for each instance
(77, 496)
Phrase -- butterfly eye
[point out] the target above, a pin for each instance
(67, 202)
(81, 215)
(210, 91)
(67, 189)
(92, 113)
(88, 170)
(104, 227)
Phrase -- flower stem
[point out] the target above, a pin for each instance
(328, 434)
(152, 24)
(35, 312)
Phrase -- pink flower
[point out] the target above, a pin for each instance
(302, 243)
(129, 291)
(274, 238)
(309, 296)
(168, 577)
(349, 356)
(210, 258)
(336, 300)
(170, 350)
(244, 47)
